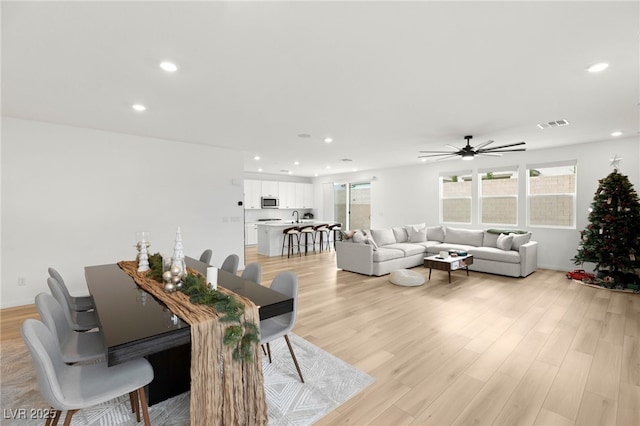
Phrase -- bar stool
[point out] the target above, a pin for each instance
(292, 238)
(321, 231)
(335, 230)
(307, 231)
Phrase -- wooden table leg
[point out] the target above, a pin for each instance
(429, 273)
(449, 276)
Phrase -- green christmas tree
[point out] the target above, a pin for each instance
(612, 239)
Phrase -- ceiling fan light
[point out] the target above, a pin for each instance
(467, 156)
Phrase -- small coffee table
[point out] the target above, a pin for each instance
(448, 263)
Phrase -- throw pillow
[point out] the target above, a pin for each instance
(347, 235)
(358, 237)
(520, 239)
(435, 233)
(400, 234)
(504, 241)
(416, 234)
(369, 240)
(383, 237)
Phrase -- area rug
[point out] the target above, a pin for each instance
(329, 382)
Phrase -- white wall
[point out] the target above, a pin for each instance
(408, 195)
(73, 197)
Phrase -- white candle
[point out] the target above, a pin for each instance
(212, 277)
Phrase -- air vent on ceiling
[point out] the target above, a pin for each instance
(346, 160)
(557, 123)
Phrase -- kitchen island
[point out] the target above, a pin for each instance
(270, 234)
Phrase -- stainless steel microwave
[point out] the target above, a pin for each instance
(269, 203)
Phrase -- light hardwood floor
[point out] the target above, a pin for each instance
(482, 350)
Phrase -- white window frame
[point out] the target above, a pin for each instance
(555, 164)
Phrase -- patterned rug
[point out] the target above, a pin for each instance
(329, 382)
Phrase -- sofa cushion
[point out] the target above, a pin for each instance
(520, 239)
(408, 249)
(495, 254)
(401, 234)
(383, 237)
(435, 233)
(427, 244)
(383, 254)
(416, 233)
(490, 240)
(463, 236)
(504, 241)
(437, 248)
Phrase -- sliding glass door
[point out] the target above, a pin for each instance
(352, 205)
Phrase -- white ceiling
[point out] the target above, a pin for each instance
(383, 79)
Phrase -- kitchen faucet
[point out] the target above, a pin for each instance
(295, 212)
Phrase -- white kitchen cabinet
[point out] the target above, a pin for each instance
(304, 195)
(270, 188)
(287, 195)
(252, 194)
(251, 233)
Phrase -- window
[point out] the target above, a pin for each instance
(551, 194)
(455, 198)
(498, 193)
(352, 205)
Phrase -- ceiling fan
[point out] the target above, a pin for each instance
(468, 152)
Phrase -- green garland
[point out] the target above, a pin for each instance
(240, 335)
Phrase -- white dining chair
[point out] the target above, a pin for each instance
(252, 272)
(230, 264)
(75, 387)
(205, 257)
(78, 321)
(77, 303)
(280, 326)
(74, 346)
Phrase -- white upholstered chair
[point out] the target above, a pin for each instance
(78, 321)
(74, 346)
(76, 303)
(253, 272)
(74, 387)
(230, 264)
(280, 326)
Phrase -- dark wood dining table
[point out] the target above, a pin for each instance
(133, 324)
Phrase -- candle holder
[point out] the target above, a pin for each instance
(143, 254)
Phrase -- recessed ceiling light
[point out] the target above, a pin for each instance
(257, 157)
(598, 67)
(139, 107)
(290, 172)
(296, 163)
(424, 160)
(259, 170)
(355, 170)
(616, 133)
(304, 135)
(315, 175)
(328, 140)
(328, 167)
(168, 66)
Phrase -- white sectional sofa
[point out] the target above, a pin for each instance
(380, 251)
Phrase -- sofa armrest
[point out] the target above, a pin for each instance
(354, 257)
(528, 258)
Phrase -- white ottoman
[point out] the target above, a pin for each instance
(407, 278)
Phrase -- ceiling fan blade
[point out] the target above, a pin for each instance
(451, 146)
(502, 146)
(503, 150)
(483, 144)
